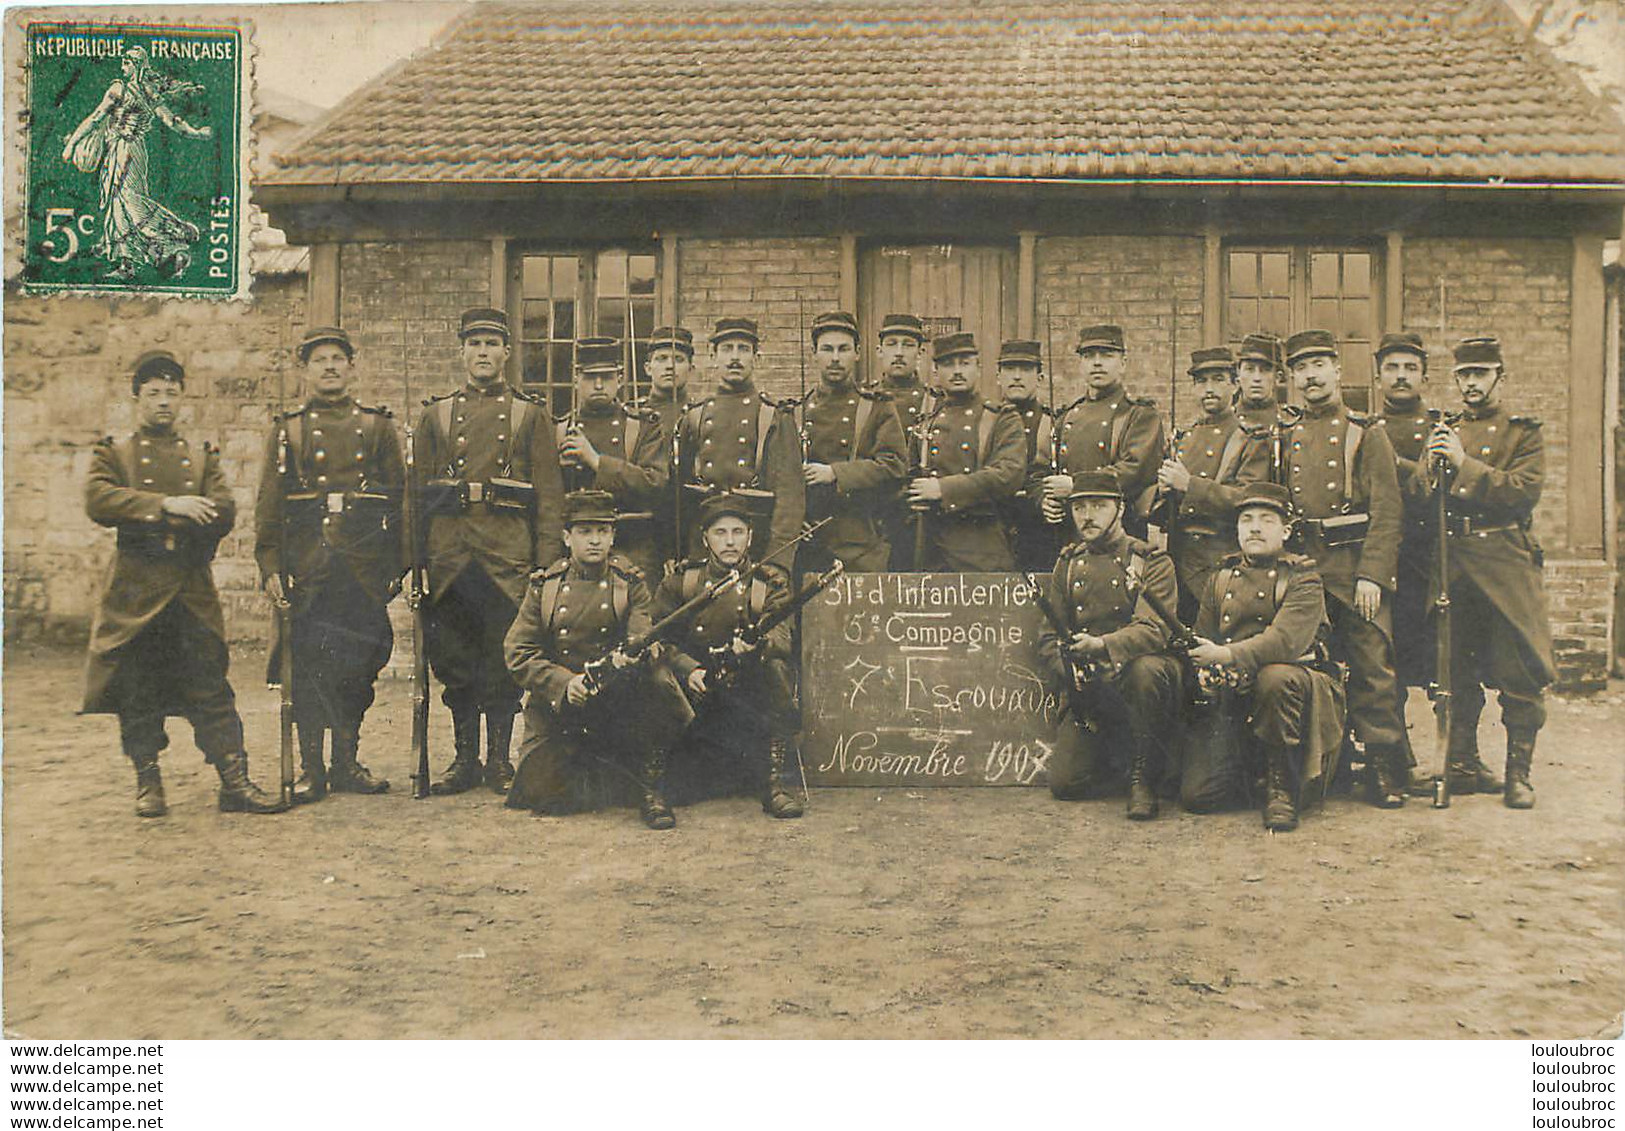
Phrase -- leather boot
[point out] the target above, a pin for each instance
(1471, 775)
(149, 787)
(498, 739)
(653, 808)
(777, 800)
(464, 772)
(1386, 770)
(1280, 808)
(1142, 799)
(237, 793)
(311, 784)
(1520, 754)
(349, 775)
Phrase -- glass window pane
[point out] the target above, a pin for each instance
(1243, 274)
(534, 324)
(1357, 319)
(534, 362)
(563, 364)
(564, 320)
(1323, 314)
(566, 268)
(560, 399)
(1241, 317)
(1275, 316)
(1274, 270)
(1323, 275)
(611, 273)
(1356, 274)
(534, 276)
(643, 274)
(643, 318)
(611, 318)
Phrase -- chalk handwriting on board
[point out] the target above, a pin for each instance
(860, 753)
(1024, 761)
(857, 684)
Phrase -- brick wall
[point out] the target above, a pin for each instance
(1135, 282)
(1518, 290)
(1579, 597)
(67, 384)
(770, 280)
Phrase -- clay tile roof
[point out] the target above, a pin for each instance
(1299, 89)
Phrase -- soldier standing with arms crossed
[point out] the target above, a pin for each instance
(1500, 636)
(972, 457)
(1339, 469)
(606, 446)
(1034, 541)
(493, 500)
(330, 490)
(855, 454)
(158, 644)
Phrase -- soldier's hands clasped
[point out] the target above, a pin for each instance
(1443, 443)
(191, 508)
(924, 493)
(818, 474)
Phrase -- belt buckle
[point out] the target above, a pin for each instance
(335, 502)
(476, 493)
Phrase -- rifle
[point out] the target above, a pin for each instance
(1076, 676)
(801, 399)
(1054, 425)
(1170, 501)
(1441, 690)
(600, 673)
(1180, 642)
(723, 663)
(414, 596)
(284, 606)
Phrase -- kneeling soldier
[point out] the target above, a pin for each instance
(330, 497)
(158, 646)
(1112, 667)
(751, 718)
(1499, 634)
(1261, 616)
(579, 610)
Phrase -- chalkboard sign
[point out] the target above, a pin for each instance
(925, 679)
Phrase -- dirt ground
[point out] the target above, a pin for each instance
(949, 913)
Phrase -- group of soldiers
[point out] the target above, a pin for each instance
(1223, 597)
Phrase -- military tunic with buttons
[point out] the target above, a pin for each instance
(569, 617)
(739, 720)
(1033, 541)
(1408, 432)
(719, 448)
(977, 451)
(1109, 430)
(1133, 692)
(911, 401)
(340, 492)
(1500, 635)
(1223, 456)
(1270, 613)
(856, 433)
(1260, 417)
(157, 645)
(1324, 485)
(637, 474)
(670, 409)
(479, 558)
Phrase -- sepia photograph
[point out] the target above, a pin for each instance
(816, 520)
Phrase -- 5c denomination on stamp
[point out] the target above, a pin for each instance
(138, 138)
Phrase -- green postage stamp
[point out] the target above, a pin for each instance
(138, 147)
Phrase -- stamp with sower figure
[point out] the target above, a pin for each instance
(138, 140)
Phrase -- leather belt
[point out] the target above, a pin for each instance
(1337, 530)
(1465, 525)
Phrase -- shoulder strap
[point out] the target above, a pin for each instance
(620, 598)
(859, 419)
(550, 599)
(1045, 447)
(691, 582)
(758, 597)
(1351, 447)
(1283, 573)
(984, 434)
(124, 452)
(1231, 455)
(1134, 578)
(443, 407)
(764, 424)
(629, 437)
(1120, 428)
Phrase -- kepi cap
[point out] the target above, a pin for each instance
(834, 320)
(1104, 336)
(725, 503)
(736, 328)
(321, 335)
(598, 355)
(1216, 357)
(1407, 342)
(908, 324)
(1095, 485)
(1275, 496)
(483, 320)
(671, 338)
(1021, 351)
(1262, 347)
(1474, 353)
(953, 345)
(1311, 343)
(154, 364)
(588, 506)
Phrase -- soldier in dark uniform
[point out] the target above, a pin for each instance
(1402, 366)
(1107, 429)
(1499, 633)
(855, 455)
(1260, 367)
(158, 644)
(1211, 466)
(330, 489)
(583, 607)
(1116, 679)
(1262, 613)
(1339, 468)
(668, 366)
(1034, 541)
(972, 457)
(606, 446)
(739, 438)
(901, 338)
(751, 720)
(494, 497)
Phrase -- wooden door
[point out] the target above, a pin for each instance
(953, 287)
